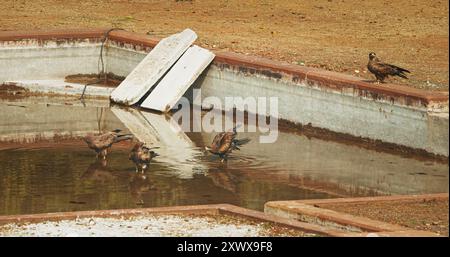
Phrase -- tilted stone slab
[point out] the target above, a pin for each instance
(153, 67)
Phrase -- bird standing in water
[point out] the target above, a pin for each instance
(101, 143)
(225, 142)
(382, 70)
(141, 156)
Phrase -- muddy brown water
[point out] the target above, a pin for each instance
(45, 167)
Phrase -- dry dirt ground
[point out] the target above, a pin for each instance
(430, 215)
(332, 34)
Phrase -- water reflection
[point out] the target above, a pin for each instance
(175, 147)
(45, 167)
(139, 184)
(223, 178)
(98, 171)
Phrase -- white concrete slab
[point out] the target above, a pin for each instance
(180, 77)
(152, 67)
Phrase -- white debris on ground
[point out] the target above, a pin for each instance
(152, 226)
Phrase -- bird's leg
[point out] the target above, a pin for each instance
(224, 158)
(377, 79)
(380, 79)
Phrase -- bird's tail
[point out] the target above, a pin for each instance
(240, 142)
(150, 148)
(116, 130)
(236, 127)
(402, 75)
(123, 137)
(400, 71)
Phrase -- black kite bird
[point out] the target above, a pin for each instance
(141, 156)
(101, 143)
(382, 70)
(224, 143)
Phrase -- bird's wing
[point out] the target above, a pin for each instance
(397, 68)
(227, 140)
(104, 140)
(382, 68)
(387, 69)
(215, 145)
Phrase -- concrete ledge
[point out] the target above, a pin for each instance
(58, 87)
(314, 211)
(52, 34)
(323, 202)
(214, 209)
(332, 80)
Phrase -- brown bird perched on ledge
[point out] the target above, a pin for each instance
(224, 143)
(382, 70)
(141, 156)
(101, 143)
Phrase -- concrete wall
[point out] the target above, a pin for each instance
(35, 59)
(337, 103)
(411, 126)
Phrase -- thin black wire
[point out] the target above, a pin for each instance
(100, 60)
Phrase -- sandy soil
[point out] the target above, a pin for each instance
(430, 215)
(162, 225)
(332, 34)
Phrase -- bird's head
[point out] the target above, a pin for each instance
(88, 138)
(137, 146)
(153, 154)
(372, 56)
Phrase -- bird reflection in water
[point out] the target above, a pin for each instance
(99, 171)
(140, 184)
(222, 177)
